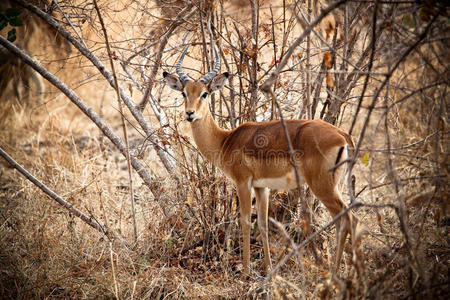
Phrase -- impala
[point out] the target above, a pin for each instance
(256, 156)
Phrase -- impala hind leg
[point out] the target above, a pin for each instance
(342, 230)
(262, 204)
(334, 204)
(245, 206)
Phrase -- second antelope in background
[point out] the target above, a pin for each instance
(256, 156)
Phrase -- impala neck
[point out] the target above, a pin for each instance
(209, 137)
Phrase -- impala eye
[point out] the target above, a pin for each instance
(183, 94)
(204, 95)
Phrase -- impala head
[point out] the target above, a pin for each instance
(196, 92)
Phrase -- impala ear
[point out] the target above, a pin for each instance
(218, 82)
(173, 81)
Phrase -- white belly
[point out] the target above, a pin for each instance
(286, 182)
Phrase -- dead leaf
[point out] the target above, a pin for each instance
(190, 200)
(329, 29)
(327, 59)
(251, 52)
(330, 82)
(304, 225)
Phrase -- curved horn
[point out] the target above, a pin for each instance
(183, 76)
(208, 77)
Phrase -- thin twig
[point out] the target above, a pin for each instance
(273, 76)
(124, 126)
(113, 270)
(307, 103)
(70, 23)
(369, 67)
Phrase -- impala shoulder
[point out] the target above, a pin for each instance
(237, 136)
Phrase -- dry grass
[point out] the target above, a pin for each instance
(46, 252)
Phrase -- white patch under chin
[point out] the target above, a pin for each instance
(197, 117)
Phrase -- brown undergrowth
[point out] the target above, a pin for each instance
(189, 245)
(189, 238)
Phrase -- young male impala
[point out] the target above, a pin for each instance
(256, 156)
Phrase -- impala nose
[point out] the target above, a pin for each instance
(190, 116)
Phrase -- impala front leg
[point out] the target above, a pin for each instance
(245, 206)
(262, 203)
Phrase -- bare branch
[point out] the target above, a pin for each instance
(88, 111)
(124, 125)
(67, 205)
(164, 150)
(265, 87)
